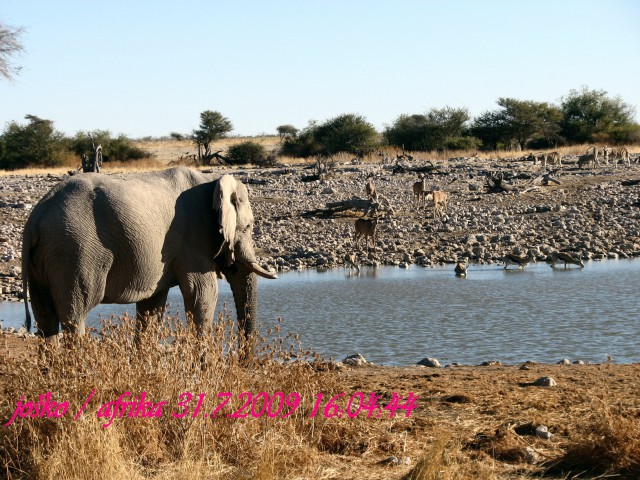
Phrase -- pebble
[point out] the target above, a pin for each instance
(430, 362)
(545, 382)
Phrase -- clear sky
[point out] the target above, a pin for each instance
(149, 68)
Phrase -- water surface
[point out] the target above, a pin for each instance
(398, 316)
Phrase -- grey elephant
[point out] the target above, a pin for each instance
(99, 239)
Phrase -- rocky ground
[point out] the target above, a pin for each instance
(593, 212)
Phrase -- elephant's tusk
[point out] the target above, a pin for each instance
(255, 268)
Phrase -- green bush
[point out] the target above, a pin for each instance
(113, 149)
(36, 143)
(247, 152)
(348, 133)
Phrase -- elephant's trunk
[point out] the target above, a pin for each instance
(244, 286)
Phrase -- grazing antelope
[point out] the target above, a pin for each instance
(440, 202)
(520, 260)
(366, 227)
(350, 261)
(553, 158)
(567, 258)
(616, 154)
(370, 188)
(419, 191)
(461, 269)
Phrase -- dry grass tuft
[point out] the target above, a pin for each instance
(444, 460)
(608, 442)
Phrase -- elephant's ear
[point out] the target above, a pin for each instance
(227, 216)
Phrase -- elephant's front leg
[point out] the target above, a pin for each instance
(200, 293)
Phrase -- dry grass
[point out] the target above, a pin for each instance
(168, 362)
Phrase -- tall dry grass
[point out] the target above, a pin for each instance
(165, 363)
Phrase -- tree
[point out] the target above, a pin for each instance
(592, 116)
(36, 143)
(347, 133)
(10, 45)
(287, 131)
(519, 122)
(213, 126)
(438, 129)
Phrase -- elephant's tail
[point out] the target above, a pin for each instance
(26, 250)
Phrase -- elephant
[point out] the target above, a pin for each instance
(103, 239)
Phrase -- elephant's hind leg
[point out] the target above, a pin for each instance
(44, 310)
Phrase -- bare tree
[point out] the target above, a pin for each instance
(10, 45)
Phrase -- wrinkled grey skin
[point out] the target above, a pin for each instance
(98, 239)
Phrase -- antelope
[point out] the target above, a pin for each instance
(366, 227)
(554, 158)
(567, 258)
(440, 198)
(419, 191)
(461, 269)
(520, 260)
(370, 188)
(616, 154)
(350, 260)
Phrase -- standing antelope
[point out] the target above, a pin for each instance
(370, 188)
(366, 227)
(440, 202)
(567, 258)
(520, 260)
(419, 191)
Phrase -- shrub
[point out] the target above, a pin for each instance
(247, 152)
(113, 149)
(348, 133)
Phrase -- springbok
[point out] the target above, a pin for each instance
(520, 260)
(461, 269)
(567, 258)
(440, 202)
(366, 227)
(350, 261)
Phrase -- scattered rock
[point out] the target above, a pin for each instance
(356, 360)
(430, 362)
(545, 382)
(543, 432)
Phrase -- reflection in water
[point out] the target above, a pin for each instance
(398, 316)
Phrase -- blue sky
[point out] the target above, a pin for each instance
(148, 68)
